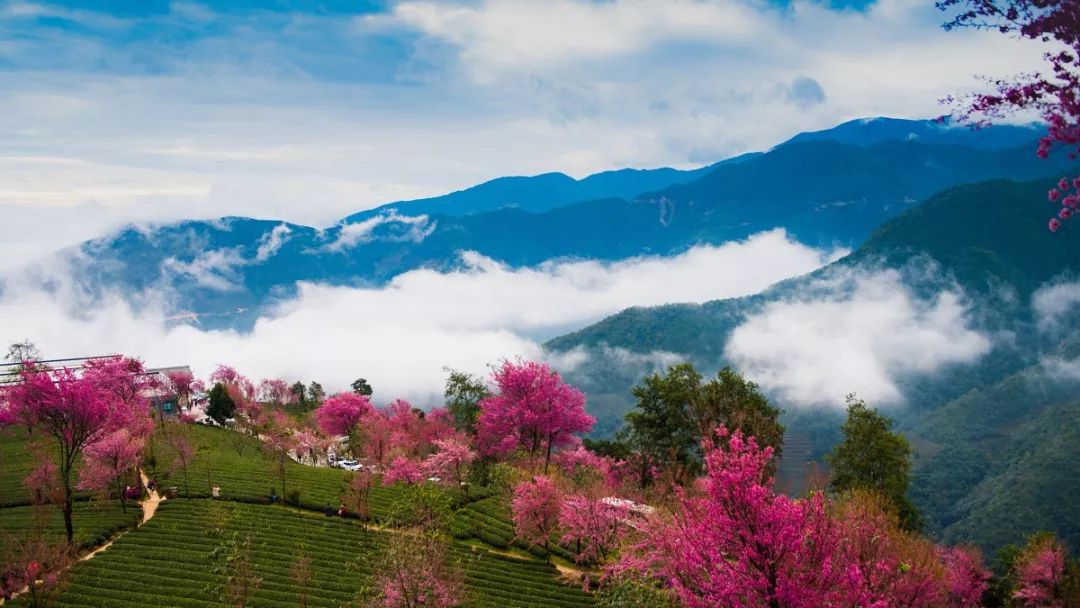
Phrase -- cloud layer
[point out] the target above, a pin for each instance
(399, 337)
(863, 335)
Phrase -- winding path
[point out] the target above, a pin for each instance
(149, 508)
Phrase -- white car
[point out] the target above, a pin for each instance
(348, 465)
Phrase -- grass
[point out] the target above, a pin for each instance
(170, 562)
(94, 521)
(234, 462)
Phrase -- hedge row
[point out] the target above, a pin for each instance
(94, 521)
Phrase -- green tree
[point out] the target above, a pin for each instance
(221, 406)
(735, 402)
(300, 391)
(872, 457)
(463, 395)
(360, 386)
(676, 411)
(661, 429)
(315, 393)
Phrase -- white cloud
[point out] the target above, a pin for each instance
(410, 228)
(400, 336)
(1052, 302)
(215, 269)
(271, 242)
(856, 331)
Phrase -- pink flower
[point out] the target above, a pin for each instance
(1054, 224)
(1076, 183)
(1053, 195)
(1063, 184)
(1065, 213)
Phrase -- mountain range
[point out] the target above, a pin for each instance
(822, 191)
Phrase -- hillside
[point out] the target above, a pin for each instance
(823, 192)
(983, 429)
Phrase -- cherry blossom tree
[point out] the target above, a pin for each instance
(341, 413)
(534, 410)
(357, 492)
(966, 576)
(276, 392)
(1051, 94)
(403, 470)
(451, 463)
(886, 565)
(372, 438)
(183, 452)
(312, 444)
(183, 383)
(32, 565)
(739, 544)
(591, 528)
(535, 509)
(415, 571)
(76, 412)
(1041, 579)
(278, 441)
(109, 460)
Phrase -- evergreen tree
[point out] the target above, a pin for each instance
(463, 395)
(221, 406)
(315, 393)
(300, 391)
(360, 386)
(872, 457)
(676, 411)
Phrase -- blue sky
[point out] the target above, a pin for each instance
(307, 111)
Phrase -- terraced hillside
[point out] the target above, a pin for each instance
(95, 521)
(234, 462)
(170, 561)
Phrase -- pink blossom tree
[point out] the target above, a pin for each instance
(278, 441)
(373, 438)
(966, 576)
(34, 566)
(109, 460)
(311, 444)
(591, 528)
(534, 410)
(451, 463)
(184, 454)
(415, 571)
(276, 392)
(184, 385)
(341, 413)
(739, 544)
(535, 509)
(77, 412)
(403, 470)
(1052, 94)
(44, 481)
(1041, 574)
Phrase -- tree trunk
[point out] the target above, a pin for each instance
(68, 505)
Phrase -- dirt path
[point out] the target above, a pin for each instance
(149, 505)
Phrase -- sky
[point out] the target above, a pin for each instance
(153, 111)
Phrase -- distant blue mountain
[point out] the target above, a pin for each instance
(540, 193)
(869, 131)
(822, 190)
